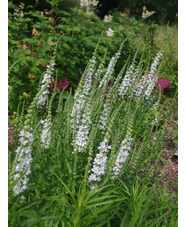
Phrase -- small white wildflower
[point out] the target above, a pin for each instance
(107, 18)
(110, 32)
(94, 2)
(18, 13)
(84, 3)
(93, 186)
(50, 42)
(146, 13)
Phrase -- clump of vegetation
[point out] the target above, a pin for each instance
(89, 128)
(33, 35)
(88, 161)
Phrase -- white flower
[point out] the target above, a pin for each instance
(110, 32)
(147, 14)
(126, 82)
(18, 13)
(80, 96)
(108, 18)
(99, 164)
(94, 2)
(84, 3)
(93, 186)
(46, 133)
(82, 134)
(24, 160)
(151, 79)
(147, 82)
(121, 157)
(80, 115)
(103, 117)
(110, 70)
(47, 77)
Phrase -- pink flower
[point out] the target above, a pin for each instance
(158, 81)
(164, 83)
(62, 84)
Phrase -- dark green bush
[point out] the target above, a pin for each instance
(33, 37)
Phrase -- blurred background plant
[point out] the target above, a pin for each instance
(35, 27)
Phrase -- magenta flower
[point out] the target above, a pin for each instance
(164, 83)
(62, 84)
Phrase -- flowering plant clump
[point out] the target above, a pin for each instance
(83, 110)
(82, 155)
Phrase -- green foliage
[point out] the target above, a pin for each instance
(176, 134)
(32, 39)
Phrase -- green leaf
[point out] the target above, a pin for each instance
(25, 95)
(76, 29)
(176, 133)
(175, 141)
(133, 21)
(66, 96)
(31, 41)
